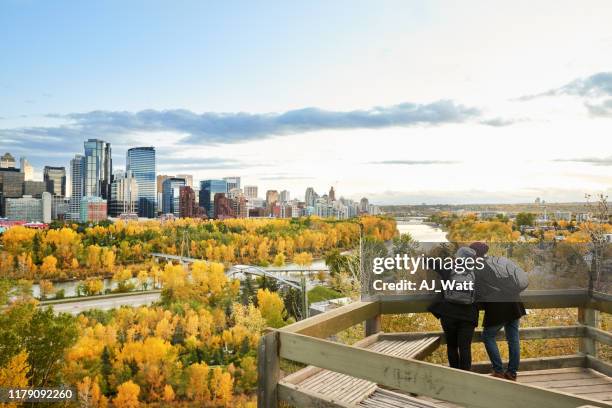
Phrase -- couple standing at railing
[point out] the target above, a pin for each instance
(496, 290)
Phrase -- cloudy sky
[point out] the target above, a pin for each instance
(403, 102)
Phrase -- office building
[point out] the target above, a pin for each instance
(188, 179)
(93, 209)
(232, 182)
(223, 207)
(124, 195)
(55, 180)
(98, 169)
(285, 196)
(26, 168)
(77, 179)
(11, 185)
(33, 188)
(160, 187)
(208, 189)
(188, 207)
(332, 194)
(60, 208)
(250, 192)
(29, 209)
(310, 197)
(363, 205)
(171, 190)
(7, 161)
(140, 161)
(271, 197)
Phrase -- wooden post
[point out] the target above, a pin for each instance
(372, 326)
(588, 317)
(268, 370)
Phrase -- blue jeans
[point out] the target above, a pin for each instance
(511, 329)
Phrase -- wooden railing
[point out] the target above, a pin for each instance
(305, 342)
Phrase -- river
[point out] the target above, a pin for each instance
(421, 232)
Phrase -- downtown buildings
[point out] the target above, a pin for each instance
(140, 161)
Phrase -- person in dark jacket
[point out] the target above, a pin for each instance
(499, 315)
(458, 322)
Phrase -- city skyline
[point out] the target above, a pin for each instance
(389, 111)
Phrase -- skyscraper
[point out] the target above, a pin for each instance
(332, 194)
(98, 169)
(140, 161)
(55, 180)
(171, 191)
(250, 191)
(310, 197)
(208, 189)
(285, 196)
(232, 182)
(26, 168)
(124, 195)
(77, 179)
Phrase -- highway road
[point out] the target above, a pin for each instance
(76, 307)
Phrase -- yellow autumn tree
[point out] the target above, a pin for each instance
(221, 388)
(49, 266)
(197, 385)
(127, 395)
(271, 307)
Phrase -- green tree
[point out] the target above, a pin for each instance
(526, 219)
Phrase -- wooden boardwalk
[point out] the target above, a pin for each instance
(346, 391)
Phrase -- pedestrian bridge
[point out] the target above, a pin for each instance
(386, 369)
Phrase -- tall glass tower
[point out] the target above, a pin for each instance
(141, 162)
(208, 189)
(98, 169)
(77, 173)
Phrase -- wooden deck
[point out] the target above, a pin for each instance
(345, 389)
(386, 370)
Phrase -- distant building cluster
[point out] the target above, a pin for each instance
(96, 193)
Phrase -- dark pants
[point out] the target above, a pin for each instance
(459, 335)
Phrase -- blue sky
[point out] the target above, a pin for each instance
(384, 99)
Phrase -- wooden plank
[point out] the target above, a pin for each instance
(599, 335)
(527, 333)
(599, 365)
(334, 321)
(423, 378)
(540, 363)
(268, 370)
(298, 397)
(589, 318)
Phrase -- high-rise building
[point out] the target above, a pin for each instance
(98, 169)
(223, 207)
(171, 190)
(26, 168)
(310, 197)
(285, 196)
(208, 189)
(332, 194)
(271, 197)
(26, 208)
(93, 209)
(188, 208)
(124, 195)
(77, 180)
(363, 205)
(188, 179)
(34, 188)
(232, 182)
(250, 192)
(140, 161)
(160, 187)
(7, 161)
(11, 185)
(55, 180)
